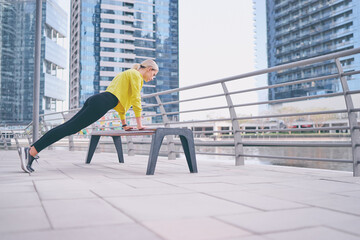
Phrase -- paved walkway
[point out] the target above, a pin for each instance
(67, 199)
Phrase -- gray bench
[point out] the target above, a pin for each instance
(186, 137)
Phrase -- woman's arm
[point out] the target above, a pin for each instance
(139, 124)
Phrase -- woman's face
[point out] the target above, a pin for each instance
(149, 74)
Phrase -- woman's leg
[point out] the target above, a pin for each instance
(54, 133)
(94, 108)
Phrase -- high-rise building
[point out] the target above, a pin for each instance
(300, 29)
(17, 39)
(109, 36)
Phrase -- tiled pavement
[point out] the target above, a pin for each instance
(67, 199)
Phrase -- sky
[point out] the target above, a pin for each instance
(216, 40)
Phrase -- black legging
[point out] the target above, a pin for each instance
(94, 108)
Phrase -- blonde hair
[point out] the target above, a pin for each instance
(145, 64)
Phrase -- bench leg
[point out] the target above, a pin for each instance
(118, 146)
(92, 147)
(156, 142)
(189, 150)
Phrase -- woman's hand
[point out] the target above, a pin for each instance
(139, 124)
(142, 128)
(127, 128)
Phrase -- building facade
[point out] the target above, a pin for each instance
(109, 36)
(17, 47)
(301, 29)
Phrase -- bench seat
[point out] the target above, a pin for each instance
(186, 137)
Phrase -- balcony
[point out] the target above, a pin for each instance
(55, 53)
(303, 25)
(311, 33)
(55, 87)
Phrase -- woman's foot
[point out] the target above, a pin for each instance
(23, 161)
(29, 160)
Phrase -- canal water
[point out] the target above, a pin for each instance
(304, 152)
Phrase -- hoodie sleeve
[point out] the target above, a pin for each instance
(135, 99)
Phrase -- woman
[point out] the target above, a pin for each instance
(122, 93)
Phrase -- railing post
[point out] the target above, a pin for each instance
(44, 123)
(71, 137)
(239, 160)
(169, 138)
(46, 129)
(3, 139)
(29, 139)
(16, 139)
(130, 146)
(355, 133)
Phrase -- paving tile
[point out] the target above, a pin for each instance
(64, 194)
(23, 219)
(252, 179)
(323, 185)
(338, 203)
(252, 237)
(194, 229)
(191, 178)
(355, 194)
(265, 187)
(44, 174)
(306, 172)
(347, 226)
(348, 179)
(257, 201)
(212, 187)
(288, 193)
(144, 183)
(176, 206)
(60, 185)
(19, 199)
(111, 232)
(115, 190)
(265, 222)
(16, 187)
(13, 178)
(82, 213)
(318, 233)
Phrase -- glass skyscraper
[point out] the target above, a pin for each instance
(300, 29)
(17, 38)
(109, 36)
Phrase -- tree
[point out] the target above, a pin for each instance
(290, 120)
(320, 119)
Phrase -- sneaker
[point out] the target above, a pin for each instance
(21, 150)
(29, 159)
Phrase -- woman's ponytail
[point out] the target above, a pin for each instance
(145, 64)
(136, 66)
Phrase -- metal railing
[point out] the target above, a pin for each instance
(235, 133)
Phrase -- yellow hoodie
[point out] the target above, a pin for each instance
(126, 86)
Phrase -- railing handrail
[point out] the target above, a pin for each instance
(263, 71)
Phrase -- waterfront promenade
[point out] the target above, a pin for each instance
(67, 199)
